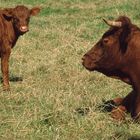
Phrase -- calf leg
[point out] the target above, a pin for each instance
(5, 69)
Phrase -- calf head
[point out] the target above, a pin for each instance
(20, 17)
(107, 54)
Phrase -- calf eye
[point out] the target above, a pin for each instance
(16, 19)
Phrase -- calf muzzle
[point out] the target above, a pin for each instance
(24, 29)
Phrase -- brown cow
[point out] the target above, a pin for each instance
(117, 55)
(13, 23)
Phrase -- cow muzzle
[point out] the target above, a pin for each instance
(88, 63)
(24, 29)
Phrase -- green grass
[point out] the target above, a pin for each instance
(48, 59)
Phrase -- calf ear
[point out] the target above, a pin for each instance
(34, 11)
(7, 13)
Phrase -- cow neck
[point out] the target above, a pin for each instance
(117, 74)
(13, 35)
(16, 36)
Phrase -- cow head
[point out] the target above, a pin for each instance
(20, 17)
(108, 52)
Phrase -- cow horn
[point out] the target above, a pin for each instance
(113, 23)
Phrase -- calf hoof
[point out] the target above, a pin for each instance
(6, 88)
(118, 113)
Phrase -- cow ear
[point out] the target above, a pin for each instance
(34, 11)
(123, 39)
(8, 13)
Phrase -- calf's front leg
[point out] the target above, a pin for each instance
(5, 69)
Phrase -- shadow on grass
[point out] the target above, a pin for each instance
(82, 110)
(134, 138)
(13, 79)
(50, 118)
(106, 106)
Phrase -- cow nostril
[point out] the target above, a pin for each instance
(86, 56)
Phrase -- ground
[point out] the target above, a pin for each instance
(48, 82)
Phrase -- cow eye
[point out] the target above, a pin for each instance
(105, 40)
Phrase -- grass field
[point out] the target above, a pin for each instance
(48, 81)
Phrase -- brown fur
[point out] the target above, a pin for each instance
(13, 23)
(117, 55)
(118, 113)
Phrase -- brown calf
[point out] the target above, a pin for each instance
(13, 23)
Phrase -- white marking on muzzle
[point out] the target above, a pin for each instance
(24, 28)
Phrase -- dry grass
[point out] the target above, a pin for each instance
(48, 59)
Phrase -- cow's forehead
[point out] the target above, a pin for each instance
(110, 32)
(21, 11)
